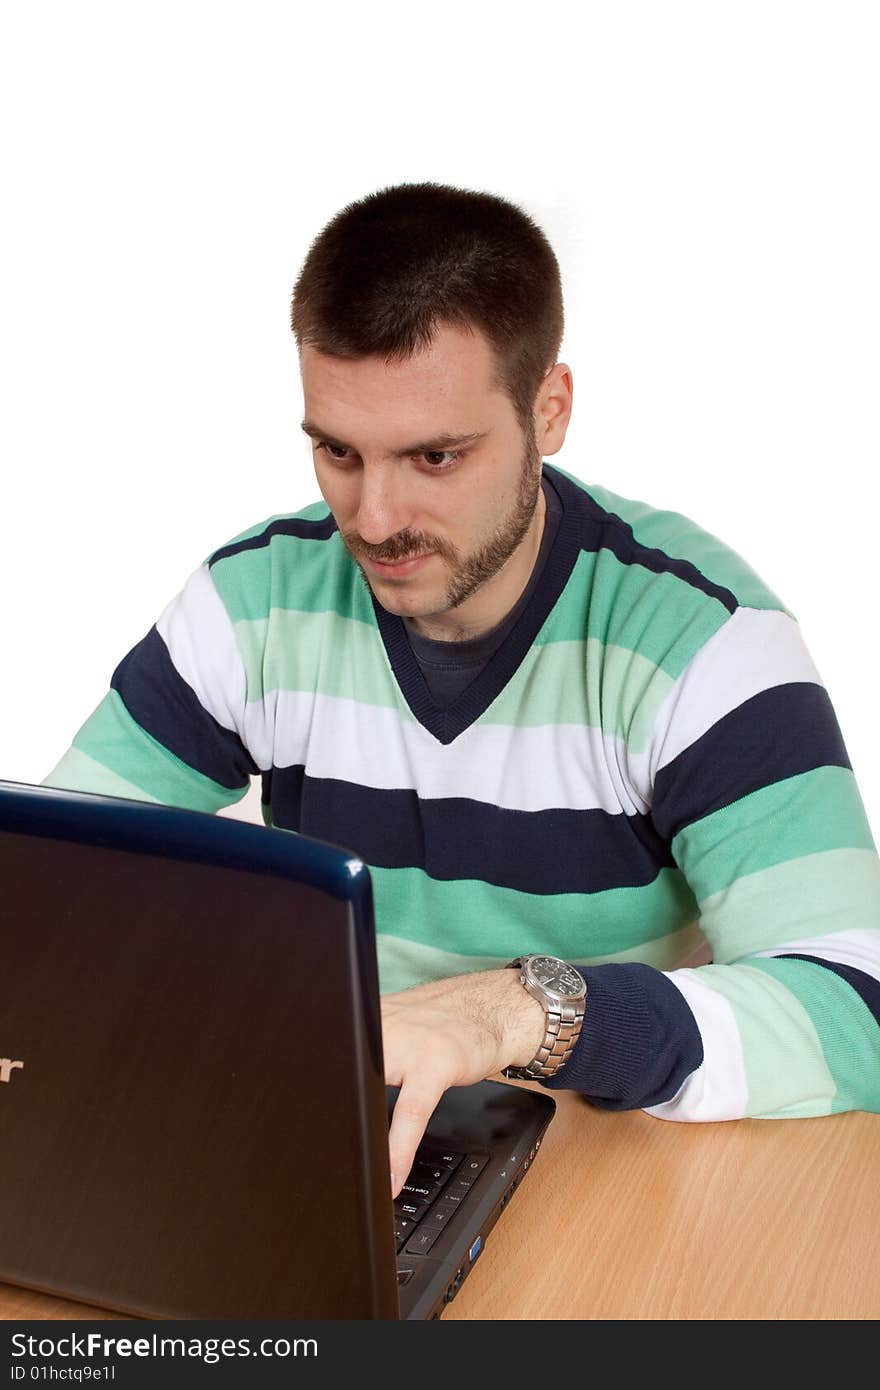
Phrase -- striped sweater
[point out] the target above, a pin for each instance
(648, 764)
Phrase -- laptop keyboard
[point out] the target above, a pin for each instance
(432, 1195)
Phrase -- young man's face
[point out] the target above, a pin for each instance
(434, 489)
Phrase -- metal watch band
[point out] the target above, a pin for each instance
(563, 1027)
(563, 1031)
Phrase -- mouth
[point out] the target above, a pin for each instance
(397, 569)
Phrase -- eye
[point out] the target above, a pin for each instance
(435, 459)
(336, 451)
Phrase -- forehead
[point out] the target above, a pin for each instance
(453, 375)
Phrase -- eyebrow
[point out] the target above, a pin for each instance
(440, 443)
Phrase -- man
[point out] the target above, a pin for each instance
(551, 720)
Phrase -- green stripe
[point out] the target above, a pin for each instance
(835, 891)
(567, 682)
(78, 772)
(112, 738)
(562, 681)
(469, 917)
(659, 617)
(312, 576)
(320, 653)
(799, 816)
(335, 656)
(785, 1068)
(405, 963)
(571, 675)
(644, 629)
(845, 1026)
(582, 683)
(680, 538)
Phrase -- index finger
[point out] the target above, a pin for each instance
(413, 1109)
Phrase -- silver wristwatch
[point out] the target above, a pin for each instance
(563, 992)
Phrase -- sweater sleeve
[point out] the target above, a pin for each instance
(173, 728)
(751, 786)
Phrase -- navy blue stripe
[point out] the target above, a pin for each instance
(639, 1042)
(320, 530)
(552, 851)
(865, 986)
(780, 733)
(618, 536)
(162, 703)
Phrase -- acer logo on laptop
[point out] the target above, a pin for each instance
(7, 1067)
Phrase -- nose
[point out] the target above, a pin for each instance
(382, 507)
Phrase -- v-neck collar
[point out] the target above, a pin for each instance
(447, 722)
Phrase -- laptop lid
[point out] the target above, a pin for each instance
(194, 1120)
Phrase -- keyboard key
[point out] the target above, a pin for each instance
(403, 1229)
(429, 1175)
(439, 1214)
(442, 1158)
(409, 1206)
(454, 1194)
(423, 1240)
(473, 1166)
(417, 1191)
(457, 1188)
(468, 1173)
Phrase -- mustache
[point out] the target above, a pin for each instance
(405, 546)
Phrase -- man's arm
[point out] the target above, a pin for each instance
(172, 727)
(748, 780)
(754, 790)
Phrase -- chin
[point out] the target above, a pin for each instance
(408, 605)
(398, 605)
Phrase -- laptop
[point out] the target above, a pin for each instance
(193, 1112)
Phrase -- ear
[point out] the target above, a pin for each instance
(553, 408)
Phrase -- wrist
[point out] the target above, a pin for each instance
(561, 991)
(525, 1021)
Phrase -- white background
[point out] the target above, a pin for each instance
(707, 173)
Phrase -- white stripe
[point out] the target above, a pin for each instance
(200, 638)
(717, 1090)
(523, 769)
(860, 949)
(562, 766)
(755, 650)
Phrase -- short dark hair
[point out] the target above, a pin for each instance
(391, 268)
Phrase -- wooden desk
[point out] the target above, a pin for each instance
(751, 1219)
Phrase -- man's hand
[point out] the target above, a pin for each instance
(451, 1033)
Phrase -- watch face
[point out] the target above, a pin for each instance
(557, 975)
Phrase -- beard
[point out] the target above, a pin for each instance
(466, 573)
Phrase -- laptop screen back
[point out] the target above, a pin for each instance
(198, 1127)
